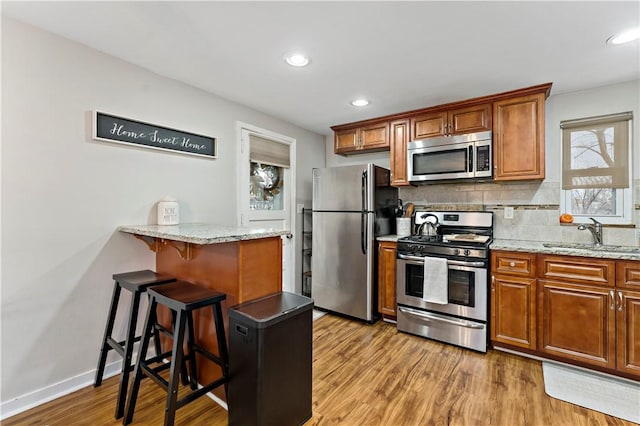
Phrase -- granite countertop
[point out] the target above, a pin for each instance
(201, 233)
(569, 249)
(392, 238)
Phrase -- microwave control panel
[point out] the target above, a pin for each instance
(483, 158)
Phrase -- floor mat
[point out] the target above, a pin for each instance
(607, 394)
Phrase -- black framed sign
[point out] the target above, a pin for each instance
(113, 128)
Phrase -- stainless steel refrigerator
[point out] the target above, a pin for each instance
(351, 206)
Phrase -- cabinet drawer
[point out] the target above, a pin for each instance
(577, 269)
(513, 263)
(628, 275)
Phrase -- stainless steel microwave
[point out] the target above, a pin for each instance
(465, 156)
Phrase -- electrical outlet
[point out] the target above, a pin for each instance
(508, 212)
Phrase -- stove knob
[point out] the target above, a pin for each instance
(467, 252)
(456, 252)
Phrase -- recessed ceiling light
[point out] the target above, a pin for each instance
(624, 36)
(360, 102)
(297, 60)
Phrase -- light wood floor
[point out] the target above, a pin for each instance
(368, 375)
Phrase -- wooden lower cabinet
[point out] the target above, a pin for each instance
(578, 322)
(513, 299)
(628, 325)
(579, 310)
(387, 251)
(513, 311)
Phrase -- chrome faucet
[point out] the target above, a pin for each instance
(595, 229)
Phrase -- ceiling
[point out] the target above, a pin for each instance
(399, 55)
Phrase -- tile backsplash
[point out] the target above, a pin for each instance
(536, 210)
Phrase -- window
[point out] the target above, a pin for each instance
(268, 159)
(596, 168)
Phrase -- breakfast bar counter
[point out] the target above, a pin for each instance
(243, 263)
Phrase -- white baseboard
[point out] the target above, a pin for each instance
(49, 393)
(41, 396)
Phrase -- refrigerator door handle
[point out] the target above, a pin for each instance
(363, 215)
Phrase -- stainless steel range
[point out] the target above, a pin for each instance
(442, 278)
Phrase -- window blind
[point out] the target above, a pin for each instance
(595, 152)
(265, 151)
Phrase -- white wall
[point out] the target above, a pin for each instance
(604, 100)
(63, 194)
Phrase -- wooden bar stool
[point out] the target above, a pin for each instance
(182, 298)
(137, 283)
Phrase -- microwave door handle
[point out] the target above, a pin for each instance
(470, 168)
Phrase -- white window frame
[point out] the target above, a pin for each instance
(624, 196)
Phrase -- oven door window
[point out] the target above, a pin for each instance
(415, 280)
(461, 285)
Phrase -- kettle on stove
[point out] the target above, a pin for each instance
(428, 227)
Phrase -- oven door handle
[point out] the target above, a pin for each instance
(407, 257)
(440, 318)
(449, 262)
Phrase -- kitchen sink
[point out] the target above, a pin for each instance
(593, 247)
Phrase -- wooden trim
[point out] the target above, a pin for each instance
(532, 90)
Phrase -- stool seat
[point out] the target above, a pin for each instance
(183, 295)
(140, 280)
(137, 283)
(182, 298)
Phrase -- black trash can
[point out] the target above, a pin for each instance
(270, 357)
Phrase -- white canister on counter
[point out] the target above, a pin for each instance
(403, 226)
(168, 211)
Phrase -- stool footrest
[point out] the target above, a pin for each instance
(159, 358)
(119, 346)
(152, 373)
(116, 346)
(164, 330)
(199, 392)
(207, 354)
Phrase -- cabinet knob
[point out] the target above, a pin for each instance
(512, 264)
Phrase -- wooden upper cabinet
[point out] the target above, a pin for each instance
(345, 140)
(470, 120)
(429, 125)
(370, 138)
(515, 117)
(452, 122)
(399, 139)
(518, 138)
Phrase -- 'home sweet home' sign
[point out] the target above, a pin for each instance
(111, 128)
